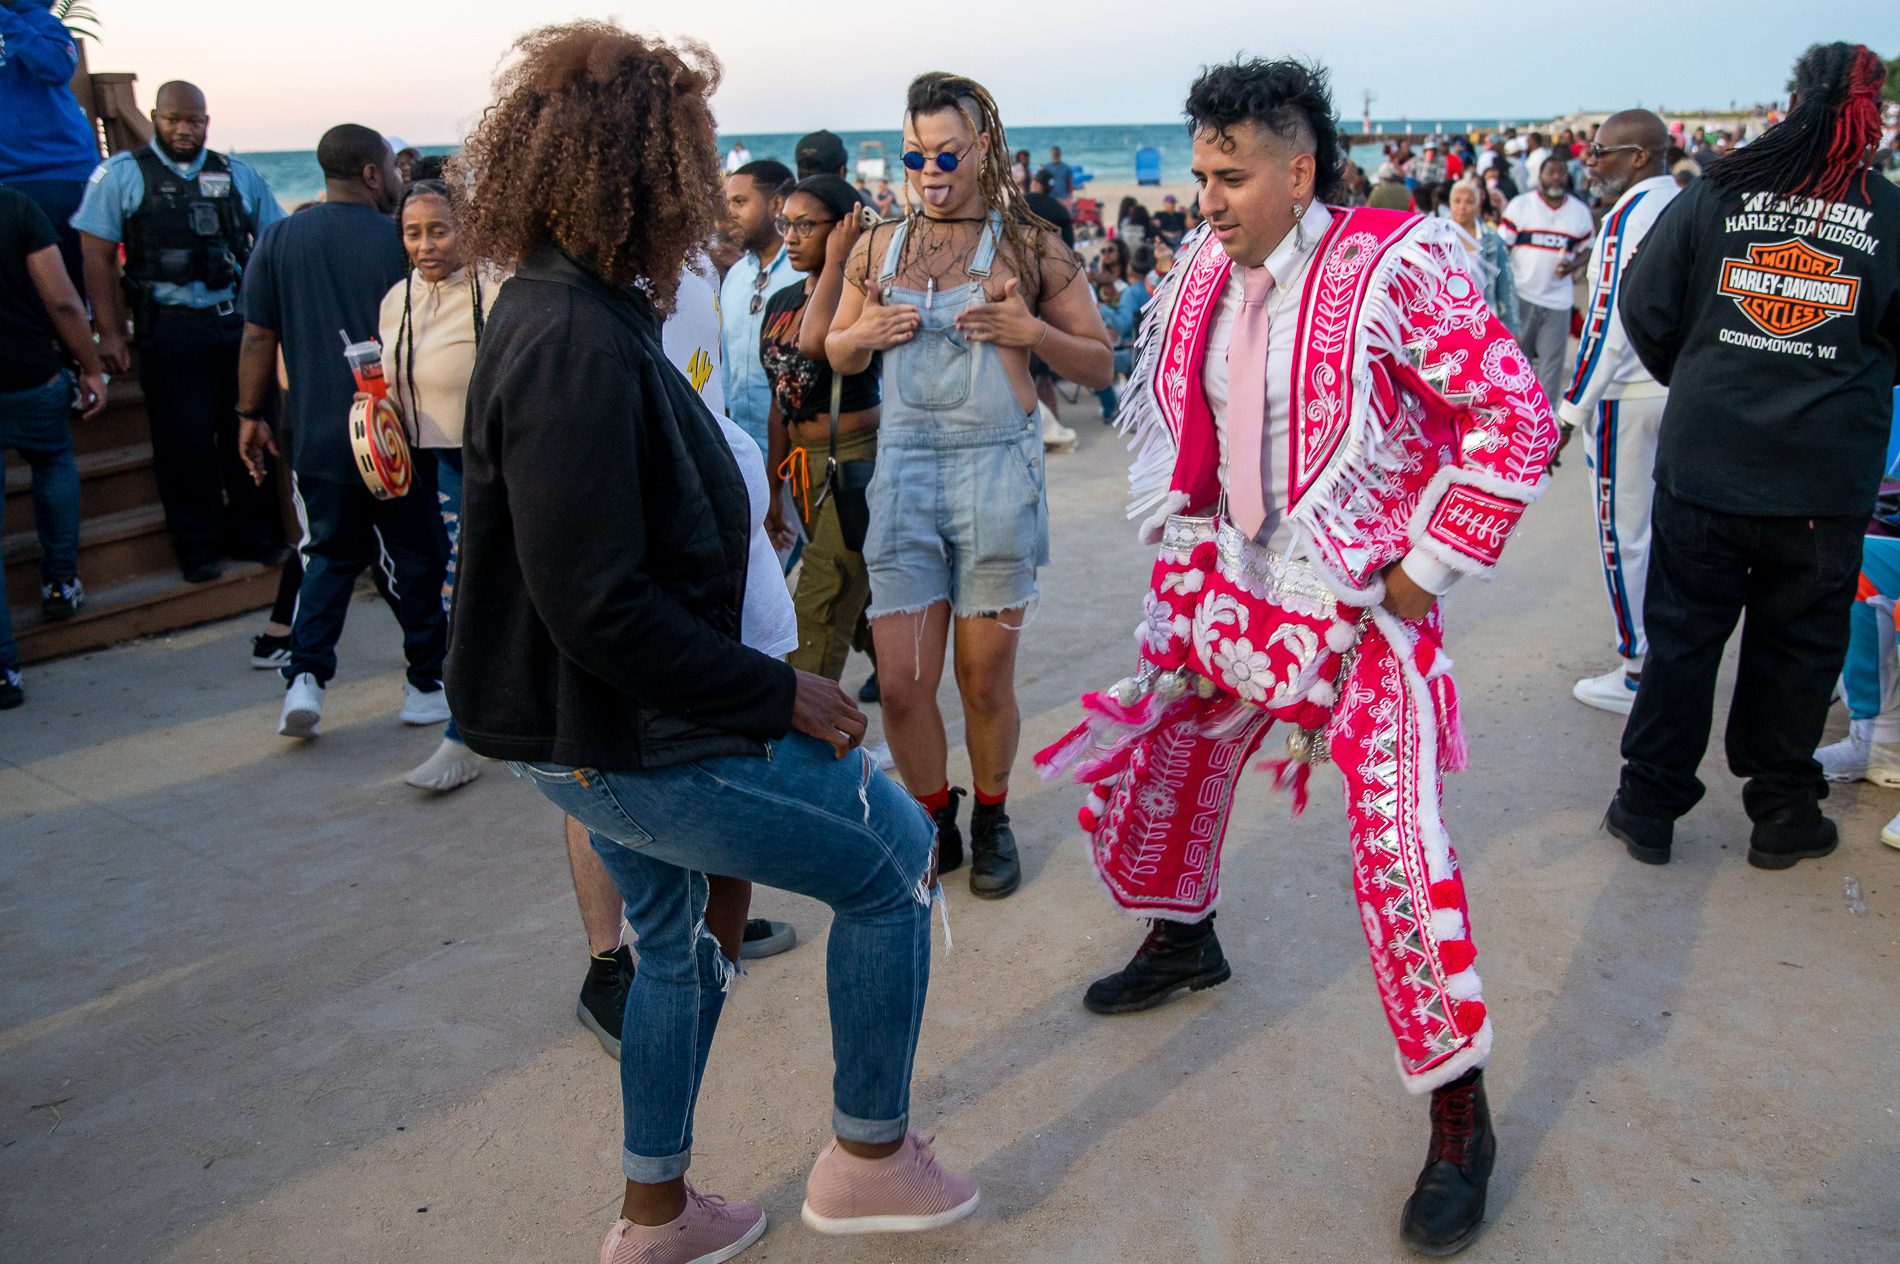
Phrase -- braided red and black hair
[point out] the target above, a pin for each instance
(1821, 146)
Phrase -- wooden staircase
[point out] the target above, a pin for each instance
(133, 586)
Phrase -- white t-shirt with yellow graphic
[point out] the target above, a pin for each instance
(768, 623)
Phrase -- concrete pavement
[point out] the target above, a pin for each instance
(263, 1002)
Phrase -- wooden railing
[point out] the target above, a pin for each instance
(110, 101)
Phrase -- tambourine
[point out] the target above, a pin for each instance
(381, 447)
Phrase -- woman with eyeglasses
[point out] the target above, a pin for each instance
(956, 296)
(822, 455)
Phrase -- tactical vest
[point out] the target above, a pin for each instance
(188, 230)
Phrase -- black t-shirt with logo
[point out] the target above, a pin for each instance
(29, 356)
(1775, 324)
(801, 385)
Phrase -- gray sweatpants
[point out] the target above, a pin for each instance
(1544, 333)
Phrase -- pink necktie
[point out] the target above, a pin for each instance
(1247, 402)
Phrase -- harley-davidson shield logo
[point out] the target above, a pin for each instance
(1789, 287)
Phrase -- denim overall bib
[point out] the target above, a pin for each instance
(958, 507)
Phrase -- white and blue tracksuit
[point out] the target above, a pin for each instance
(1619, 407)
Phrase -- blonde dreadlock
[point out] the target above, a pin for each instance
(936, 91)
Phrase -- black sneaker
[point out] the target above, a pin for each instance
(869, 693)
(202, 572)
(603, 1003)
(1791, 835)
(995, 870)
(1175, 955)
(61, 598)
(949, 837)
(765, 938)
(1446, 1209)
(12, 689)
(1647, 838)
(269, 651)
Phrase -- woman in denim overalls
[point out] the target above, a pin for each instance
(955, 296)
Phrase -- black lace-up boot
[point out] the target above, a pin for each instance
(1175, 955)
(994, 869)
(1446, 1209)
(949, 837)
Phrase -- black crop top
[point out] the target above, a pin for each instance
(801, 386)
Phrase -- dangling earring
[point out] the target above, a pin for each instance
(1299, 226)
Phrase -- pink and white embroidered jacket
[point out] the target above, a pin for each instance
(1418, 423)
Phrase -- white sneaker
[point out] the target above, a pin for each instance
(1890, 833)
(303, 708)
(424, 708)
(1859, 757)
(1612, 691)
(452, 765)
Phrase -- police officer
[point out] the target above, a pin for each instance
(188, 218)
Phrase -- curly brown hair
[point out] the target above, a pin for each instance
(602, 143)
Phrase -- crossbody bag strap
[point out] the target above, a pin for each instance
(831, 453)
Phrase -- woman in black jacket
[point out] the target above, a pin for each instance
(598, 648)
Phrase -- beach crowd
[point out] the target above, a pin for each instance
(640, 443)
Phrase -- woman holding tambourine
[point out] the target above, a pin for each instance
(823, 428)
(431, 323)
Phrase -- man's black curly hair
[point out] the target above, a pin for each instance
(1287, 97)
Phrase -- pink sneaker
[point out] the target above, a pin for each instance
(903, 1193)
(709, 1231)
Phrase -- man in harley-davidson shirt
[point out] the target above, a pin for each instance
(1767, 299)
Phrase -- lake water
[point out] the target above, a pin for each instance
(1107, 151)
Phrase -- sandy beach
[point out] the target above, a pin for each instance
(265, 1003)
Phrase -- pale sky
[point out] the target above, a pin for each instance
(277, 73)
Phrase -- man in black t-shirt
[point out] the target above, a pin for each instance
(38, 303)
(1170, 222)
(1050, 209)
(320, 271)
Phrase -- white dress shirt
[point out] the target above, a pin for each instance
(1290, 265)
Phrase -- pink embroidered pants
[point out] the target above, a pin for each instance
(1385, 738)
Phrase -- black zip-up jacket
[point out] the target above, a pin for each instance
(604, 544)
(1775, 324)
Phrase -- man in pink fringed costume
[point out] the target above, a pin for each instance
(1332, 428)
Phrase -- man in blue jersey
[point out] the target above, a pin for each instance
(1612, 397)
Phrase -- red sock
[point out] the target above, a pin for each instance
(937, 802)
(991, 800)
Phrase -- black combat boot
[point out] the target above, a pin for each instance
(1175, 955)
(994, 870)
(1647, 838)
(1790, 835)
(949, 837)
(1446, 1209)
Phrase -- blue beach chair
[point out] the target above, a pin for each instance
(1147, 165)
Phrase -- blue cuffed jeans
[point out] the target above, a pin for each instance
(836, 830)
